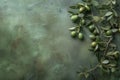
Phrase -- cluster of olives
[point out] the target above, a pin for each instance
(79, 34)
(76, 31)
(84, 9)
(80, 21)
(84, 18)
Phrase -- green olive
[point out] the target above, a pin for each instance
(113, 69)
(81, 9)
(87, 7)
(109, 32)
(73, 33)
(116, 54)
(82, 21)
(119, 30)
(80, 36)
(94, 44)
(96, 18)
(95, 32)
(91, 27)
(74, 17)
(92, 37)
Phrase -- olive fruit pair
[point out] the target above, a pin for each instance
(74, 34)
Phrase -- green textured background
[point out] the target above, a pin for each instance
(35, 43)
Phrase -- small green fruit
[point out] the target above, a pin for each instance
(91, 27)
(113, 69)
(80, 36)
(81, 9)
(87, 7)
(93, 44)
(82, 21)
(119, 30)
(74, 17)
(92, 37)
(73, 33)
(109, 32)
(96, 18)
(95, 32)
(116, 54)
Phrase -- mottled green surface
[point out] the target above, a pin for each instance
(35, 43)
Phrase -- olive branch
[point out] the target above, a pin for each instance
(103, 25)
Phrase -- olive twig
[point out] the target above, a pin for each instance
(102, 27)
(94, 68)
(107, 45)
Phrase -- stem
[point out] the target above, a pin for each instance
(107, 45)
(92, 69)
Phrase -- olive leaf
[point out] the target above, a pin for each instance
(110, 17)
(113, 45)
(71, 12)
(80, 4)
(112, 65)
(72, 28)
(74, 7)
(114, 54)
(115, 13)
(95, 3)
(109, 53)
(114, 30)
(108, 13)
(106, 28)
(103, 26)
(96, 48)
(113, 69)
(105, 61)
(86, 75)
(114, 2)
(108, 3)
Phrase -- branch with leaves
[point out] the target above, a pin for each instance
(103, 25)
